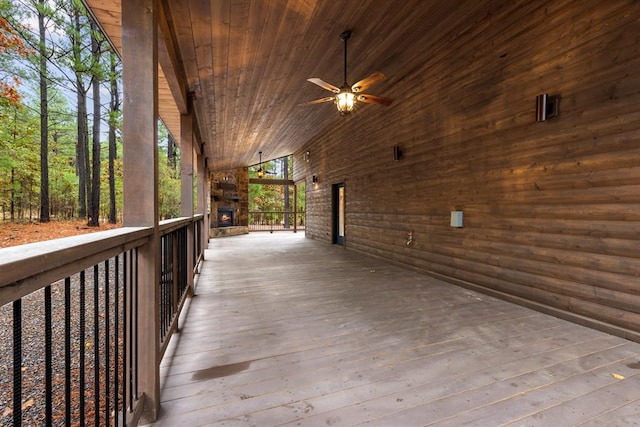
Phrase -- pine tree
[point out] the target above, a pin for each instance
(96, 77)
(44, 116)
(114, 112)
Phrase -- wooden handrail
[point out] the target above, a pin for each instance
(169, 225)
(27, 268)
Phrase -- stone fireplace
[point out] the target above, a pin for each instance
(229, 202)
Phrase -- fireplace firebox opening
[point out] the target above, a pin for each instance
(225, 217)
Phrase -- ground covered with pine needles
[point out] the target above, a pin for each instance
(21, 232)
(18, 233)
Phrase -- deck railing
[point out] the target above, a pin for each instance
(175, 276)
(69, 311)
(276, 220)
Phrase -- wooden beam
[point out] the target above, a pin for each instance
(267, 181)
(170, 60)
(198, 143)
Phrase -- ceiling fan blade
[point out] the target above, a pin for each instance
(373, 99)
(368, 81)
(324, 85)
(320, 101)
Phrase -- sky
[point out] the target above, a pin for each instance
(61, 73)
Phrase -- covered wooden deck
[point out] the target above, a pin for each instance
(289, 331)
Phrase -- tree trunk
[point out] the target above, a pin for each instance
(12, 206)
(12, 202)
(94, 215)
(171, 152)
(44, 122)
(81, 152)
(113, 152)
(82, 155)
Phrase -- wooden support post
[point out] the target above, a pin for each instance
(186, 165)
(186, 189)
(295, 208)
(203, 195)
(140, 182)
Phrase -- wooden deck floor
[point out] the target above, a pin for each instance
(285, 331)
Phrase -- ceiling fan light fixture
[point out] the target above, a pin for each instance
(347, 95)
(345, 101)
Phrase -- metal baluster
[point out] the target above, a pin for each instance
(17, 363)
(135, 357)
(163, 279)
(96, 344)
(48, 358)
(107, 344)
(130, 334)
(67, 351)
(82, 347)
(116, 363)
(124, 339)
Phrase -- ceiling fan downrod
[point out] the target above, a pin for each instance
(344, 36)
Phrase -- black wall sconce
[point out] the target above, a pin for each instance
(546, 107)
(397, 152)
(314, 179)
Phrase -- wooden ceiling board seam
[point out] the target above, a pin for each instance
(262, 77)
(263, 99)
(256, 76)
(246, 86)
(320, 43)
(220, 51)
(238, 35)
(317, 120)
(178, 11)
(179, 14)
(200, 22)
(232, 67)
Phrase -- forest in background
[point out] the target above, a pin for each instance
(60, 119)
(266, 198)
(60, 123)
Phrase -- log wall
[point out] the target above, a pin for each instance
(551, 209)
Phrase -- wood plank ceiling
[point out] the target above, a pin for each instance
(246, 63)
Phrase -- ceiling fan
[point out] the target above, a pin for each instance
(261, 172)
(346, 96)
